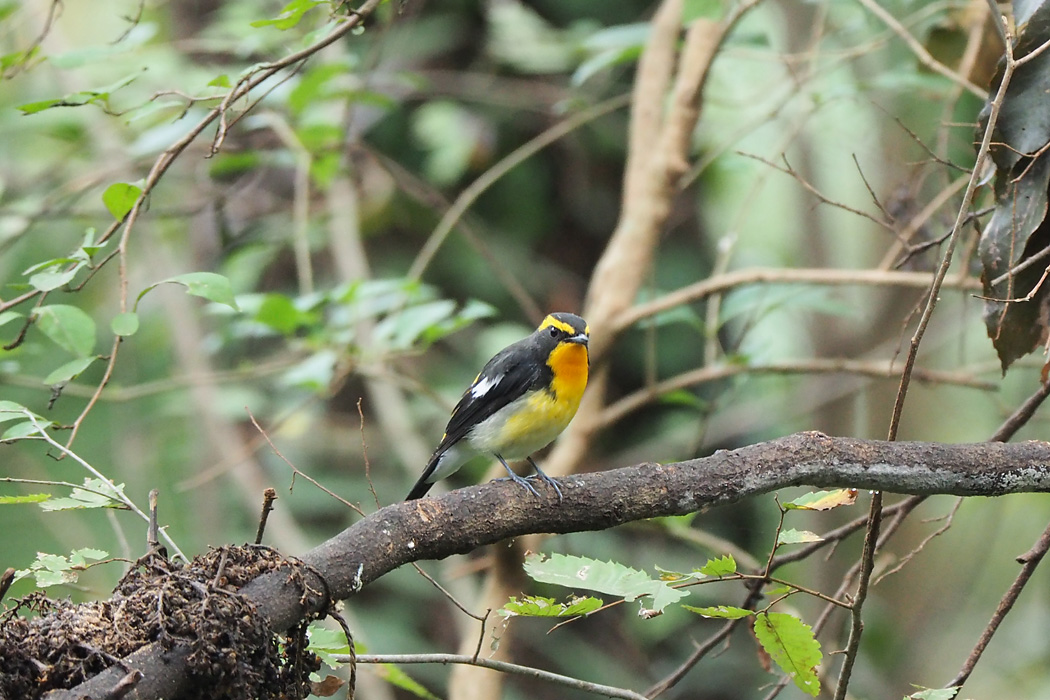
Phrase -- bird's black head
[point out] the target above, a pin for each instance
(564, 327)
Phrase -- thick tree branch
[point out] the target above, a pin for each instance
(461, 521)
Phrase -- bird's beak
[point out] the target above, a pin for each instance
(581, 338)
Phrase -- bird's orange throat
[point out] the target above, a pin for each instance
(570, 363)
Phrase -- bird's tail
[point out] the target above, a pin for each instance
(422, 486)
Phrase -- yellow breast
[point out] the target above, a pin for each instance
(569, 363)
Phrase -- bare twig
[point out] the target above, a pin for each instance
(295, 470)
(269, 496)
(502, 666)
(1029, 561)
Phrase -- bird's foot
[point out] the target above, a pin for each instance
(515, 478)
(544, 477)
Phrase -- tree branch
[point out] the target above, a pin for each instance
(461, 521)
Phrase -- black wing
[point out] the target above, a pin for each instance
(506, 377)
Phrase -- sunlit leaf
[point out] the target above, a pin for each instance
(47, 281)
(55, 569)
(605, 577)
(119, 199)
(792, 536)
(101, 495)
(28, 498)
(792, 646)
(933, 693)
(823, 500)
(68, 327)
(725, 612)
(208, 285)
(537, 606)
(721, 566)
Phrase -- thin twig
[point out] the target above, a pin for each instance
(469, 195)
(1029, 560)
(297, 472)
(269, 496)
(502, 666)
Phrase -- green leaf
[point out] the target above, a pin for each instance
(792, 646)
(605, 577)
(536, 606)
(401, 330)
(101, 495)
(47, 281)
(280, 313)
(792, 536)
(222, 81)
(76, 99)
(54, 569)
(69, 370)
(125, 324)
(399, 679)
(327, 643)
(80, 557)
(722, 566)
(725, 612)
(68, 327)
(28, 498)
(8, 316)
(9, 410)
(119, 199)
(933, 693)
(290, 15)
(823, 500)
(23, 430)
(207, 285)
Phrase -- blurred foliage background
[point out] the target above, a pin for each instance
(396, 210)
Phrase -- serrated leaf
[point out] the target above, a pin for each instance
(208, 285)
(722, 566)
(28, 498)
(605, 577)
(792, 646)
(101, 495)
(933, 693)
(125, 324)
(119, 199)
(792, 536)
(328, 643)
(55, 569)
(68, 327)
(537, 606)
(80, 557)
(823, 500)
(725, 612)
(69, 370)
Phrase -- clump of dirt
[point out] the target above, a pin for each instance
(232, 653)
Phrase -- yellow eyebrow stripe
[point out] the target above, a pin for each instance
(560, 325)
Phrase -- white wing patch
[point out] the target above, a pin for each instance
(482, 387)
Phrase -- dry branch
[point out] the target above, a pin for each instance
(469, 518)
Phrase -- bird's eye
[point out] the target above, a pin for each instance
(554, 332)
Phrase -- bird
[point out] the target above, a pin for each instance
(522, 399)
